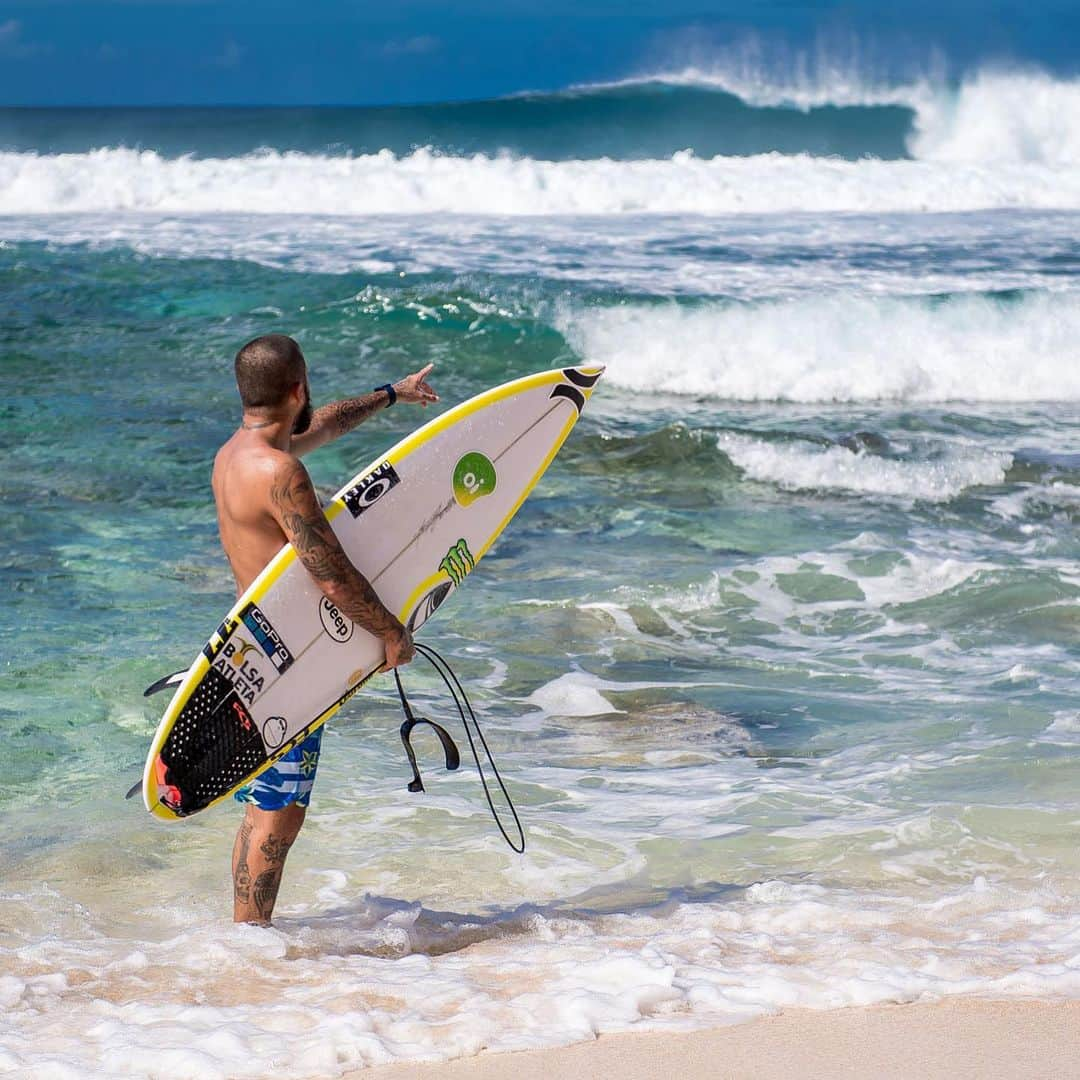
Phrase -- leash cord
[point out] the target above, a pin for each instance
(453, 685)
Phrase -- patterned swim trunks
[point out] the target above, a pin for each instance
(289, 780)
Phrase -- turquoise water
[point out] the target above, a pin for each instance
(779, 659)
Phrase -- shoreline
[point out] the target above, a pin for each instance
(949, 1039)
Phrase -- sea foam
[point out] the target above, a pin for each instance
(423, 182)
(840, 348)
(800, 466)
(324, 995)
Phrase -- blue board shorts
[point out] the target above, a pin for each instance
(289, 780)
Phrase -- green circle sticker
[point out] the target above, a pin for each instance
(474, 477)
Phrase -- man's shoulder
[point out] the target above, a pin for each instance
(256, 467)
(258, 458)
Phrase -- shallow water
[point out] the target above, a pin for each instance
(779, 659)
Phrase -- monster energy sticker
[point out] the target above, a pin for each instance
(458, 562)
(369, 489)
(474, 477)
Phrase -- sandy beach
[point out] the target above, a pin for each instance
(950, 1040)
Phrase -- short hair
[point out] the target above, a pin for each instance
(267, 368)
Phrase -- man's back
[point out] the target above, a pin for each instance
(244, 471)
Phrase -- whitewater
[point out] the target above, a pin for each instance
(998, 140)
(779, 660)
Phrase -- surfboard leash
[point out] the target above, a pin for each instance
(453, 758)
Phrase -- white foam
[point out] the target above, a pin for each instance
(917, 576)
(1064, 729)
(801, 82)
(804, 466)
(1048, 498)
(639, 254)
(572, 694)
(840, 348)
(577, 693)
(1002, 117)
(389, 981)
(109, 180)
(913, 578)
(993, 115)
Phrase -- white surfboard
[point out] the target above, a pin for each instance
(415, 523)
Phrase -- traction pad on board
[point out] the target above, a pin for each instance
(213, 746)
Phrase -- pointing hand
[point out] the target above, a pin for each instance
(415, 388)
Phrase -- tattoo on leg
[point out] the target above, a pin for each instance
(275, 848)
(266, 890)
(242, 875)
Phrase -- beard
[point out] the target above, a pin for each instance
(303, 421)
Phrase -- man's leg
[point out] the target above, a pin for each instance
(262, 843)
(275, 803)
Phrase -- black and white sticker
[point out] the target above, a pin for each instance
(335, 622)
(368, 490)
(273, 732)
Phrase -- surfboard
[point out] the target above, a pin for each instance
(415, 522)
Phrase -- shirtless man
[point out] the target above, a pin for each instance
(265, 499)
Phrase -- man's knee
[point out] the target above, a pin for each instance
(276, 825)
(262, 843)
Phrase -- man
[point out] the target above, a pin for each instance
(265, 499)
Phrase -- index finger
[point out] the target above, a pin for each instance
(424, 372)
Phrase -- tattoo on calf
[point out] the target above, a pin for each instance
(275, 848)
(266, 890)
(242, 874)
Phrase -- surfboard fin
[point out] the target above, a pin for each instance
(175, 679)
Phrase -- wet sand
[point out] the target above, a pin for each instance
(955, 1039)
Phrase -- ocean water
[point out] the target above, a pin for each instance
(780, 660)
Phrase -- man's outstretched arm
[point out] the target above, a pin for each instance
(296, 508)
(332, 421)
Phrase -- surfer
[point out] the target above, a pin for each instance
(265, 499)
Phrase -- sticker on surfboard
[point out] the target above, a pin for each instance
(415, 522)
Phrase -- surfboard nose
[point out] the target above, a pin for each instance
(586, 376)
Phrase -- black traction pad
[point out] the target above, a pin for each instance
(213, 745)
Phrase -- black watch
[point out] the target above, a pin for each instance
(391, 393)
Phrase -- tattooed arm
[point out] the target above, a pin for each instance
(334, 420)
(296, 509)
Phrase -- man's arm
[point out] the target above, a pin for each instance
(296, 508)
(332, 421)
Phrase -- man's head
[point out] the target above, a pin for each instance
(271, 376)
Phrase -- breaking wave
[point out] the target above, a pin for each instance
(841, 348)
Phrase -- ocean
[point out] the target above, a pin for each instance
(779, 660)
